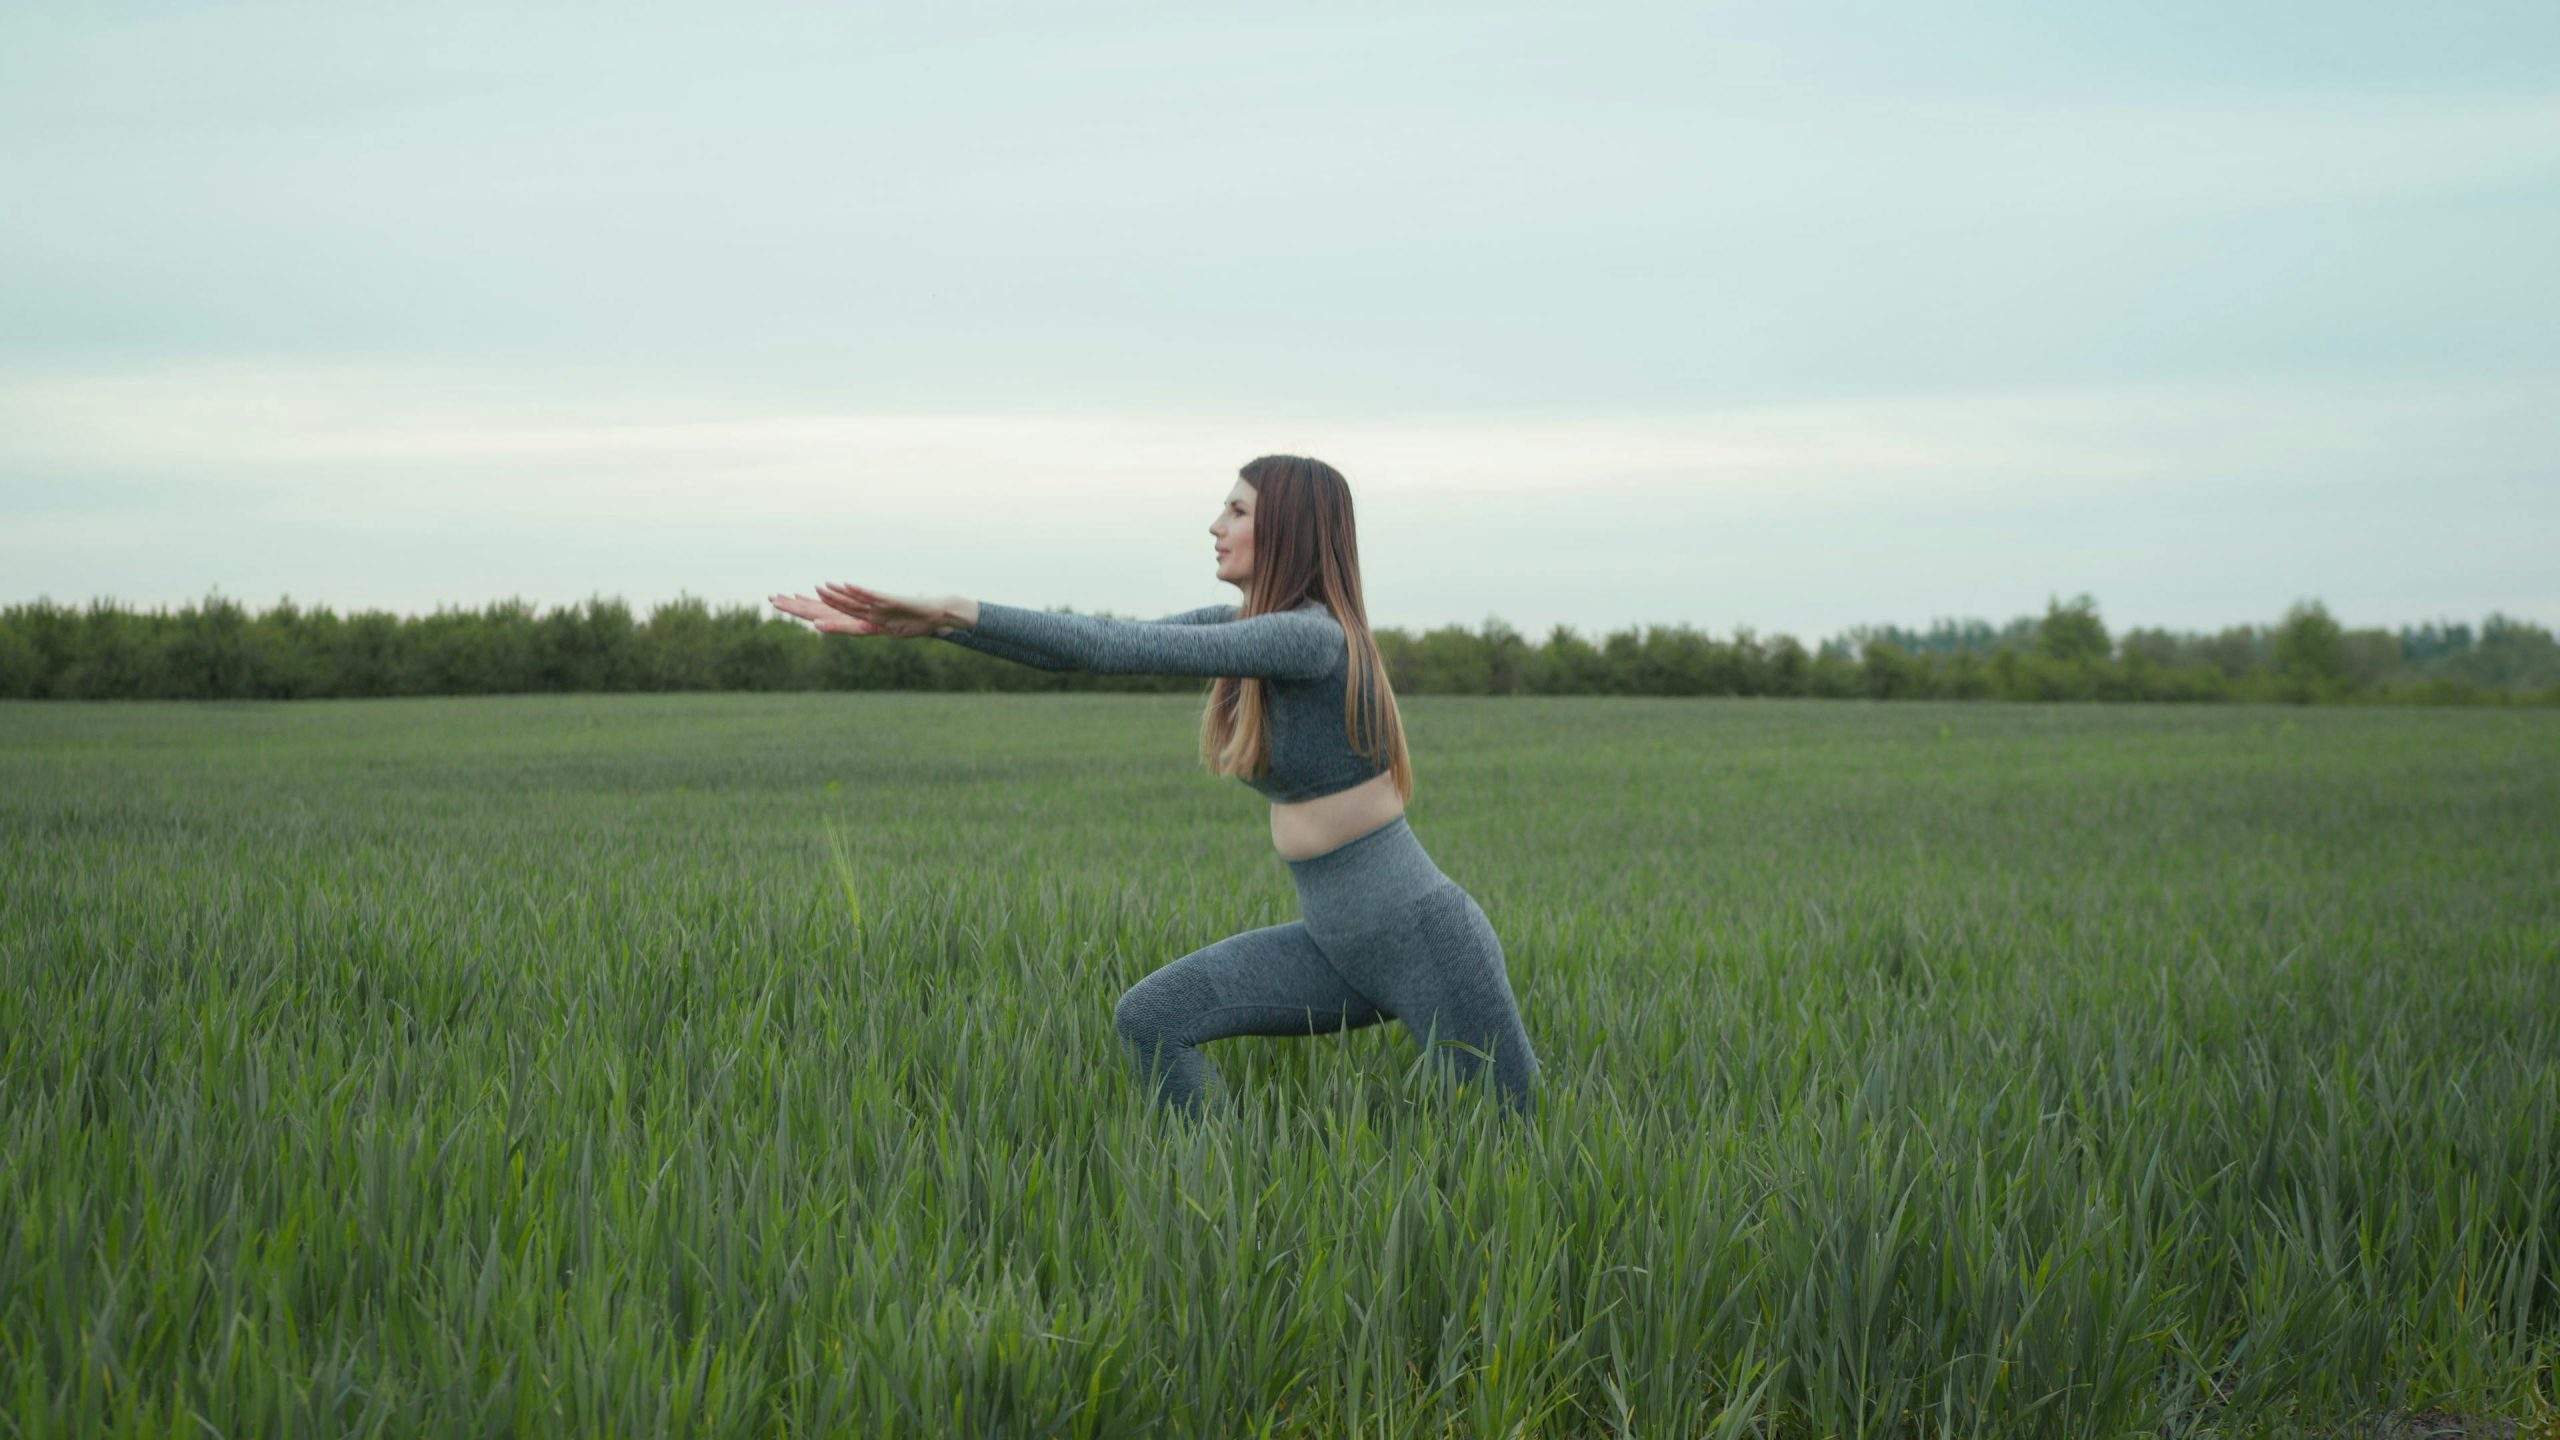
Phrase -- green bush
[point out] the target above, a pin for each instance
(215, 649)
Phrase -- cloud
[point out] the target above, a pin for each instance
(294, 433)
(417, 486)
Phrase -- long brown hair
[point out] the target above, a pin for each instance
(1305, 548)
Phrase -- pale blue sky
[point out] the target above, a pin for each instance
(1795, 316)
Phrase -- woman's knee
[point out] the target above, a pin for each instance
(1141, 1013)
(1160, 1007)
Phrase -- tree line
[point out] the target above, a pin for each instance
(217, 649)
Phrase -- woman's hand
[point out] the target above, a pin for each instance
(853, 611)
(817, 613)
(888, 614)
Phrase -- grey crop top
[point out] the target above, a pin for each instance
(1300, 655)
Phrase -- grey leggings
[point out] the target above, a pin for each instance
(1384, 935)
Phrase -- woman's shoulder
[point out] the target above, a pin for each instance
(1322, 613)
(1311, 617)
(1319, 619)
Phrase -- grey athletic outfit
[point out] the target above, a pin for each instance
(1384, 934)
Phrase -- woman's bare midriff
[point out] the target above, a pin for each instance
(1304, 829)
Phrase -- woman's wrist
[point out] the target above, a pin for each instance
(959, 612)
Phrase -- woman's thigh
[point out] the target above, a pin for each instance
(1268, 981)
(1436, 962)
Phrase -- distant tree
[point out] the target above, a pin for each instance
(2006, 683)
(288, 652)
(2045, 677)
(115, 658)
(1448, 661)
(1567, 665)
(1674, 660)
(21, 665)
(2422, 644)
(2233, 651)
(1834, 675)
(2072, 632)
(592, 647)
(2157, 647)
(755, 653)
(2309, 646)
(374, 655)
(682, 645)
(1731, 666)
(1945, 636)
(1857, 638)
(2511, 654)
(1890, 672)
(2019, 634)
(1506, 657)
(208, 653)
(2370, 655)
(1787, 666)
(1622, 650)
(1745, 665)
(214, 649)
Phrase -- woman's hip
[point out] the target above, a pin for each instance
(1361, 882)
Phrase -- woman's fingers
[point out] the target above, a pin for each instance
(872, 612)
(859, 595)
(872, 604)
(801, 607)
(826, 620)
(853, 600)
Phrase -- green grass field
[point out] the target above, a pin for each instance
(743, 1065)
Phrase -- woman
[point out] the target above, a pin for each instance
(1302, 712)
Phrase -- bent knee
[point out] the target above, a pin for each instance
(1165, 1005)
(1132, 1014)
(1146, 1012)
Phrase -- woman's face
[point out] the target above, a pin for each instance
(1234, 534)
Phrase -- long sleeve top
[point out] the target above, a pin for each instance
(1300, 654)
(1040, 657)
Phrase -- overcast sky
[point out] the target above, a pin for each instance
(1789, 315)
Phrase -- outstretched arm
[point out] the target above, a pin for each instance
(1294, 644)
(1018, 654)
(1025, 654)
(1291, 644)
(1205, 615)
